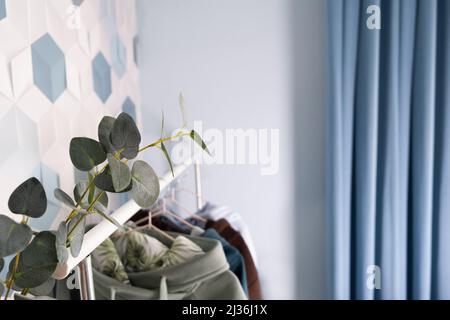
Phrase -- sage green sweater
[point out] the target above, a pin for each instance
(205, 277)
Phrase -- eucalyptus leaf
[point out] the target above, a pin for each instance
(162, 124)
(125, 136)
(196, 137)
(37, 262)
(91, 188)
(107, 217)
(166, 154)
(29, 199)
(145, 190)
(182, 105)
(104, 133)
(64, 198)
(86, 153)
(78, 225)
(121, 175)
(2, 264)
(85, 203)
(104, 182)
(61, 240)
(14, 237)
(44, 289)
(163, 146)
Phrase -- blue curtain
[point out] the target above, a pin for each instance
(388, 149)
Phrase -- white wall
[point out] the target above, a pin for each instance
(237, 63)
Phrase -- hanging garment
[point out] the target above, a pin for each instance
(168, 223)
(235, 239)
(204, 277)
(215, 212)
(234, 257)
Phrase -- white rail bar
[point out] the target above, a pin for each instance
(105, 229)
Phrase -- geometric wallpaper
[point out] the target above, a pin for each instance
(64, 64)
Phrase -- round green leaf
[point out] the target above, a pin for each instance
(104, 182)
(64, 198)
(79, 190)
(61, 240)
(121, 175)
(145, 190)
(14, 237)
(37, 262)
(104, 133)
(44, 289)
(29, 199)
(125, 136)
(86, 153)
(77, 236)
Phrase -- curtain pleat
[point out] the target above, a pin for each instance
(365, 157)
(388, 160)
(422, 152)
(343, 44)
(441, 192)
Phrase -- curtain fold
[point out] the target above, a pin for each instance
(388, 148)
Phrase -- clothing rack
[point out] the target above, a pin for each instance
(105, 229)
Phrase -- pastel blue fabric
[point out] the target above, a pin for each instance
(388, 149)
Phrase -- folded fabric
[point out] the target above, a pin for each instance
(107, 260)
(182, 250)
(138, 251)
(141, 252)
(235, 239)
(215, 212)
(203, 277)
(234, 258)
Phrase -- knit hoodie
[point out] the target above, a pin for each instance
(205, 277)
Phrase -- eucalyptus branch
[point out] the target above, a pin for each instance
(25, 291)
(83, 195)
(117, 155)
(158, 142)
(154, 144)
(91, 206)
(10, 281)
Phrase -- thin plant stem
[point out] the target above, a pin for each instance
(90, 185)
(84, 216)
(10, 281)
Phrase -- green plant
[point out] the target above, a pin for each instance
(107, 166)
